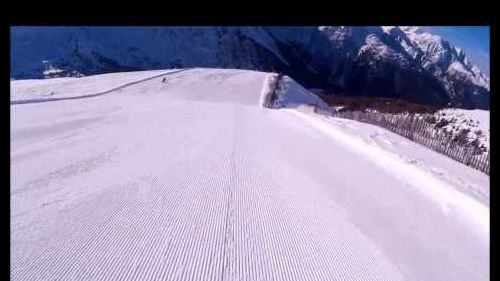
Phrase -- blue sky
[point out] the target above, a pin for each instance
(474, 40)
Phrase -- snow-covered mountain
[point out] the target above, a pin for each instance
(402, 62)
(93, 50)
(405, 62)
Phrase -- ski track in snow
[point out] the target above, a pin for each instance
(72, 97)
(193, 180)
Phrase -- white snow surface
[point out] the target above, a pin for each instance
(194, 180)
(477, 121)
(481, 116)
(72, 87)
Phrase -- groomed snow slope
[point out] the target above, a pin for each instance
(36, 89)
(193, 180)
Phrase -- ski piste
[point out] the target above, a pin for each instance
(198, 181)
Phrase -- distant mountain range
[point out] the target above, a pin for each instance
(398, 62)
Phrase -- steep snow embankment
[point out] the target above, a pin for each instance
(292, 95)
(192, 180)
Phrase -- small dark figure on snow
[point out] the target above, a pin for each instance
(164, 81)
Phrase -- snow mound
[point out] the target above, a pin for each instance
(292, 95)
